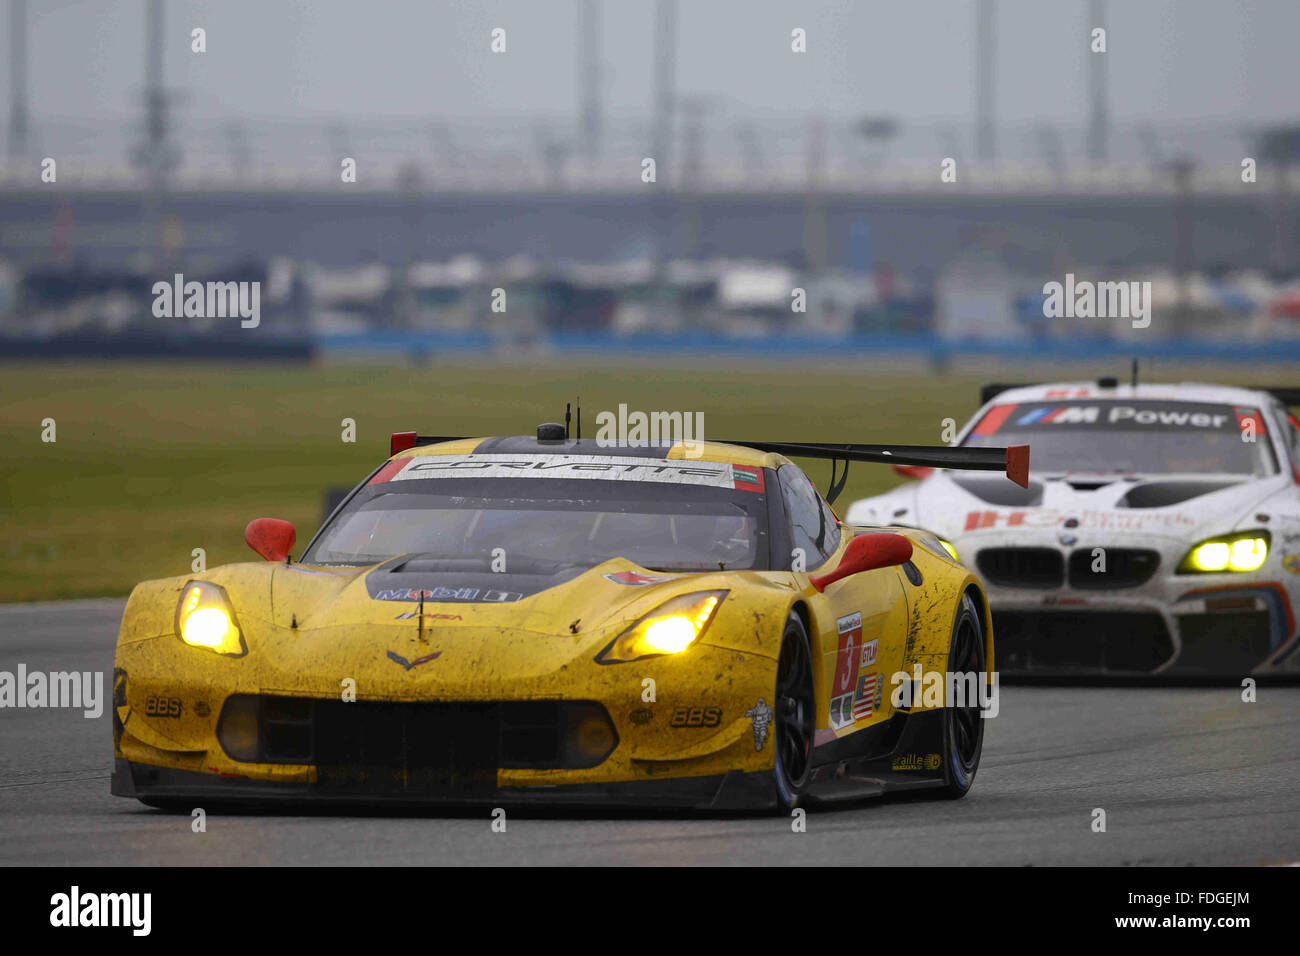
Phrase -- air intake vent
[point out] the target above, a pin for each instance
(1162, 494)
(1022, 567)
(1124, 568)
(999, 491)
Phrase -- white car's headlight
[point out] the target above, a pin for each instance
(1245, 551)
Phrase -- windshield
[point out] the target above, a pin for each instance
(1131, 437)
(661, 525)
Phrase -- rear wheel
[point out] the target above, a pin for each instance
(794, 719)
(963, 726)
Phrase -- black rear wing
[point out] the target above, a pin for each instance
(1013, 461)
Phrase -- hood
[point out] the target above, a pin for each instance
(532, 598)
(953, 504)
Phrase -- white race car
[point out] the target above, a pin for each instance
(1159, 534)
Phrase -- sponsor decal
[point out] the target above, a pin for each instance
(847, 661)
(867, 699)
(869, 652)
(636, 578)
(156, 706)
(642, 715)
(994, 420)
(572, 467)
(1041, 518)
(696, 717)
(1291, 562)
(429, 616)
(760, 717)
(398, 658)
(1252, 417)
(841, 711)
(487, 596)
(746, 478)
(202, 709)
(916, 762)
(1167, 416)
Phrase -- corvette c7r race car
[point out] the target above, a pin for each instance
(1159, 533)
(544, 619)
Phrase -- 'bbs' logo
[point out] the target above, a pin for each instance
(162, 706)
(696, 717)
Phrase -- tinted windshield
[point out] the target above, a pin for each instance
(693, 516)
(1142, 437)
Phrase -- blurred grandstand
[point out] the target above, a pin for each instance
(746, 209)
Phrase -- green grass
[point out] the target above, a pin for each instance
(154, 460)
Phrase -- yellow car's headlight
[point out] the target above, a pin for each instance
(1235, 552)
(669, 629)
(947, 546)
(204, 618)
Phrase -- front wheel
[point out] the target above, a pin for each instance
(963, 726)
(795, 709)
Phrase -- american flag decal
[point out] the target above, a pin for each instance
(864, 702)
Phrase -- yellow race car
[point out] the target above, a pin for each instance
(523, 619)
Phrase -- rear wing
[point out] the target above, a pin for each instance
(1013, 461)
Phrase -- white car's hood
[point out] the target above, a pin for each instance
(957, 504)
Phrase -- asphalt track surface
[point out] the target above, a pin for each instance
(1185, 775)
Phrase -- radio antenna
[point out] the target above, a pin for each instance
(580, 418)
(567, 406)
(1135, 373)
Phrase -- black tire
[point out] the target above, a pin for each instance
(795, 715)
(963, 727)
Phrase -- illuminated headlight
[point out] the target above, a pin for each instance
(204, 618)
(1238, 552)
(669, 629)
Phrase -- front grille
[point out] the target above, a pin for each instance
(1022, 567)
(1125, 568)
(411, 747)
(1135, 642)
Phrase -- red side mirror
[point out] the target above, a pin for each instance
(913, 471)
(272, 538)
(866, 552)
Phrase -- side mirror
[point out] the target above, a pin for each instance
(272, 538)
(913, 471)
(866, 552)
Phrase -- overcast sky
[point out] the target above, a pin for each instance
(1169, 59)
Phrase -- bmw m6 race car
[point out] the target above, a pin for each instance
(1159, 533)
(544, 619)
